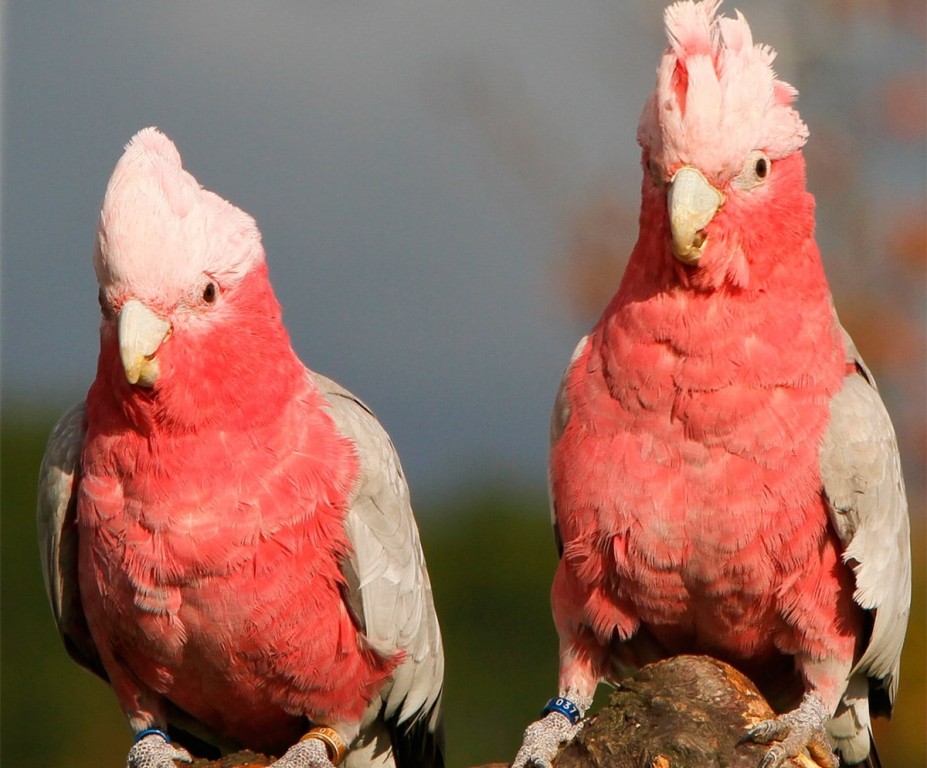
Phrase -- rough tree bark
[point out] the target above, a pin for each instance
(685, 712)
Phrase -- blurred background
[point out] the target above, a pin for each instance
(448, 193)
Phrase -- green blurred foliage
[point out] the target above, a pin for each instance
(53, 712)
(491, 556)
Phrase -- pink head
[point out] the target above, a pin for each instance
(188, 311)
(721, 144)
(717, 97)
(162, 235)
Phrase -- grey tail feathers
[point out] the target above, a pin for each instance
(872, 759)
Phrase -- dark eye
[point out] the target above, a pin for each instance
(210, 292)
(756, 169)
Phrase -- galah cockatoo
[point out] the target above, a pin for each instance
(724, 477)
(227, 537)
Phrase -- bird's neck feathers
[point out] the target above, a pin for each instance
(760, 282)
(237, 368)
(753, 307)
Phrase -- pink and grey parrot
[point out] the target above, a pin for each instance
(226, 536)
(724, 477)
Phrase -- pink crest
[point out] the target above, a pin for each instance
(160, 231)
(717, 97)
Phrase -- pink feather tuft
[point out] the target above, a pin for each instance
(714, 81)
(160, 231)
(690, 28)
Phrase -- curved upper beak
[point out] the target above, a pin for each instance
(692, 203)
(141, 333)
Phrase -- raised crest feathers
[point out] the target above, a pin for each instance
(713, 81)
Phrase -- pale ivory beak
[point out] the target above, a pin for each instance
(141, 333)
(692, 203)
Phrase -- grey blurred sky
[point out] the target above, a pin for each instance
(413, 166)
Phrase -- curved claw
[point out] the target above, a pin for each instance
(305, 754)
(153, 751)
(767, 731)
(802, 728)
(542, 740)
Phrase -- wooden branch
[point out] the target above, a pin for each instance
(244, 759)
(685, 712)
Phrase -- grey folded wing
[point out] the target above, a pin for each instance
(56, 524)
(559, 418)
(388, 584)
(863, 485)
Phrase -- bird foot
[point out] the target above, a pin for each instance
(542, 739)
(310, 753)
(802, 728)
(154, 751)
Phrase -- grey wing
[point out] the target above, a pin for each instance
(861, 470)
(390, 591)
(558, 421)
(57, 532)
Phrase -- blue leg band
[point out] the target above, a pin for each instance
(565, 707)
(149, 732)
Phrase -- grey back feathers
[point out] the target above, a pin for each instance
(56, 523)
(389, 589)
(864, 489)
